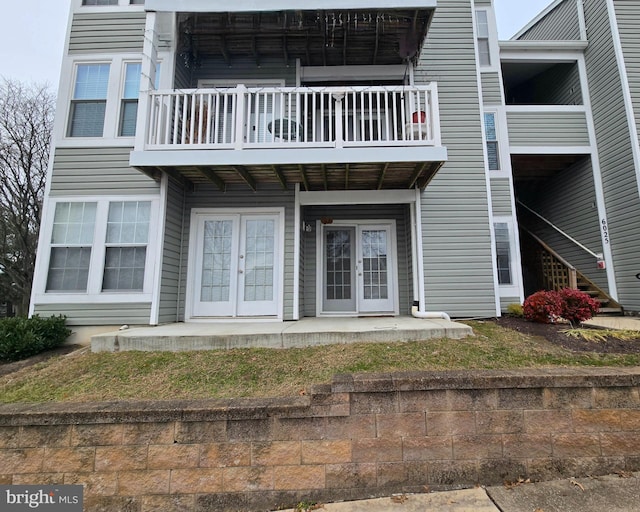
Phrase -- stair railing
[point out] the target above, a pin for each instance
(598, 256)
(557, 273)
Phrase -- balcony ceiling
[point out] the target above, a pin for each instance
(317, 38)
(312, 177)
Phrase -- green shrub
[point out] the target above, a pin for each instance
(24, 337)
(515, 310)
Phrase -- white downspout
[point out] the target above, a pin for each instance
(416, 313)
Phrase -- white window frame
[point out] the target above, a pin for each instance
(115, 90)
(123, 100)
(77, 4)
(494, 53)
(502, 138)
(94, 293)
(512, 289)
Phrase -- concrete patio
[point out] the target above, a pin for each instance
(301, 333)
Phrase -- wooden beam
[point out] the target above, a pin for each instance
(417, 171)
(280, 177)
(382, 175)
(254, 49)
(285, 50)
(224, 50)
(375, 48)
(325, 178)
(425, 180)
(213, 177)
(308, 51)
(346, 177)
(172, 172)
(246, 176)
(344, 45)
(305, 179)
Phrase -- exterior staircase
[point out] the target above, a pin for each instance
(550, 271)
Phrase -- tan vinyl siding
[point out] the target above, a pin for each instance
(569, 202)
(616, 158)
(97, 171)
(113, 32)
(172, 254)
(501, 196)
(457, 253)
(560, 24)
(548, 128)
(98, 314)
(399, 213)
(238, 198)
(491, 93)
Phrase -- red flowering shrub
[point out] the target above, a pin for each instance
(577, 306)
(543, 307)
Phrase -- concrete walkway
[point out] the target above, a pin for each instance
(301, 333)
(613, 493)
(628, 323)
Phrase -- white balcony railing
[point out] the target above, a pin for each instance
(285, 117)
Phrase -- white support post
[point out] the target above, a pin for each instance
(419, 251)
(241, 99)
(435, 115)
(147, 80)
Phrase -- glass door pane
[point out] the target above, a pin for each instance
(376, 293)
(339, 269)
(258, 269)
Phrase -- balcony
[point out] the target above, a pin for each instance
(326, 138)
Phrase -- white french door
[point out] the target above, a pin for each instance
(236, 265)
(358, 269)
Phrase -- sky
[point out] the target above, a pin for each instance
(32, 34)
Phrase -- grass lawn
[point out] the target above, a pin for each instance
(276, 372)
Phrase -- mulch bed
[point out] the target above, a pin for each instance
(553, 334)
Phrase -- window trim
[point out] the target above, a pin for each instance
(94, 293)
(492, 39)
(512, 289)
(110, 137)
(73, 101)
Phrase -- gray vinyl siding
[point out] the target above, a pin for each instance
(97, 171)
(238, 198)
(501, 196)
(561, 24)
(172, 254)
(548, 128)
(569, 202)
(457, 261)
(506, 301)
(98, 314)
(113, 32)
(628, 16)
(399, 213)
(491, 93)
(616, 158)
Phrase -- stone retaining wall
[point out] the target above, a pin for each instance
(361, 436)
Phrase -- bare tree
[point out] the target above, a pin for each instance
(26, 121)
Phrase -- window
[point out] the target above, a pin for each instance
(482, 27)
(89, 101)
(491, 141)
(71, 243)
(126, 245)
(503, 253)
(99, 250)
(129, 110)
(100, 2)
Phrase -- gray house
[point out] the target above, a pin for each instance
(264, 160)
